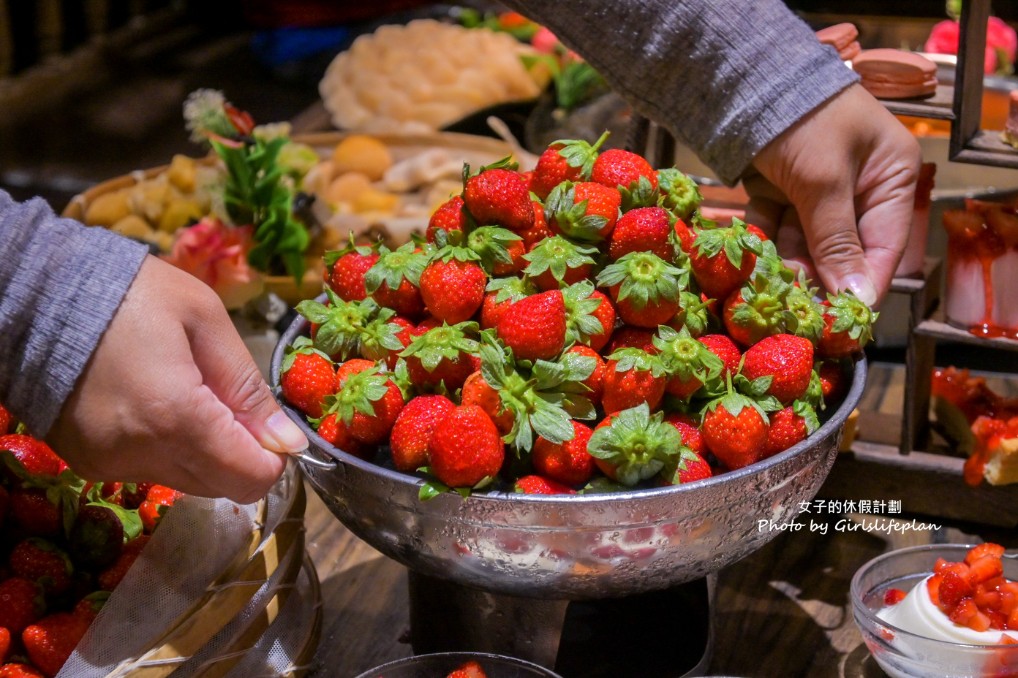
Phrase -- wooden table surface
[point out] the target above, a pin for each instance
(783, 611)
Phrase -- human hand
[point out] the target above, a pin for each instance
(835, 192)
(172, 396)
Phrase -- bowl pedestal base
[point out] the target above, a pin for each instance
(660, 634)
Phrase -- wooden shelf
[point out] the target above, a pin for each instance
(937, 107)
(938, 330)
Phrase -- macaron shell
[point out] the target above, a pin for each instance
(838, 36)
(892, 90)
(895, 73)
(850, 52)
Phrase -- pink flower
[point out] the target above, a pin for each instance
(216, 254)
(1001, 39)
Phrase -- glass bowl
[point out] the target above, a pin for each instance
(441, 664)
(902, 654)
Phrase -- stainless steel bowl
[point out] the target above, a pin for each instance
(580, 546)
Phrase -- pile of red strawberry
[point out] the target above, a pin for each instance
(580, 327)
(64, 546)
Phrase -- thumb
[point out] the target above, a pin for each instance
(231, 374)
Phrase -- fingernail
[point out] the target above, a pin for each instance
(863, 288)
(285, 434)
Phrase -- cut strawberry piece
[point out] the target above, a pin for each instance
(893, 596)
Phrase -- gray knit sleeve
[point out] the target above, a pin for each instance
(60, 284)
(724, 76)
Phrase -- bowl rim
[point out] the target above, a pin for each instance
(862, 610)
(835, 421)
(458, 655)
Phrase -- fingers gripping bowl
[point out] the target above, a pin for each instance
(570, 546)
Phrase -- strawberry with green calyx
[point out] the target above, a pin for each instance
(452, 285)
(34, 512)
(678, 193)
(500, 251)
(337, 326)
(306, 377)
(786, 360)
(645, 288)
(590, 317)
(477, 391)
(848, 325)
(498, 196)
(557, 262)
(804, 314)
(51, 640)
(595, 382)
(535, 327)
(643, 229)
(345, 269)
(688, 426)
(98, 536)
(632, 337)
(584, 211)
(757, 309)
(564, 160)
(158, 501)
(42, 561)
(567, 462)
(692, 467)
(539, 231)
(723, 347)
(694, 314)
(450, 218)
(634, 445)
(36, 457)
(394, 280)
(687, 362)
(735, 427)
(23, 603)
(832, 378)
(336, 432)
(411, 434)
(722, 258)
(535, 484)
(633, 377)
(789, 426)
(441, 356)
(624, 170)
(384, 336)
(499, 294)
(368, 402)
(543, 399)
(466, 450)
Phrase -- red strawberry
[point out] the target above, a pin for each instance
(789, 426)
(535, 484)
(43, 562)
(133, 496)
(19, 670)
(735, 430)
(368, 403)
(539, 231)
(646, 289)
(111, 577)
(693, 467)
(617, 167)
(345, 269)
(413, 429)
(158, 500)
(336, 432)
(605, 313)
(688, 362)
(566, 160)
(441, 356)
(453, 289)
(34, 455)
(756, 309)
(448, 217)
(7, 420)
(567, 462)
(466, 448)
(585, 211)
(5, 644)
(724, 348)
(534, 327)
(470, 669)
(307, 376)
(498, 196)
(556, 262)
(34, 513)
(786, 359)
(497, 250)
(632, 377)
(96, 538)
(644, 229)
(634, 445)
(848, 326)
(679, 194)
(52, 639)
(833, 382)
(21, 603)
(723, 258)
(476, 391)
(394, 280)
(500, 294)
(632, 337)
(689, 428)
(595, 382)
(350, 368)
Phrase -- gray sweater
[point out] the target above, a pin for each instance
(725, 76)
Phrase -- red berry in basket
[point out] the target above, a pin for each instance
(21, 603)
(413, 429)
(441, 356)
(784, 358)
(632, 377)
(583, 211)
(5, 643)
(688, 362)
(618, 167)
(453, 289)
(466, 448)
(556, 262)
(448, 217)
(893, 596)
(19, 670)
(566, 160)
(498, 196)
(833, 382)
(394, 280)
(535, 484)
(789, 426)
(735, 430)
(157, 501)
(595, 382)
(632, 337)
(634, 445)
(34, 513)
(345, 269)
(723, 347)
(476, 391)
(43, 562)
(644, 229)
(35, 456)
(307, 377)
(567, 462)
(646, 289)
(470, 669)
(679, 194)
(692, 467)
(605, 313)
(757, 309)
(723, 258)
(848, 326)
(539, 231)
(96, 537)
(111, 577)
(689, 428)
(333, 431)
(52, 639)
(500, 294)
(535, 327)
(368, 403)
(7, 420)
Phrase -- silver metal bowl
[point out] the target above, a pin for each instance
(579, 546)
